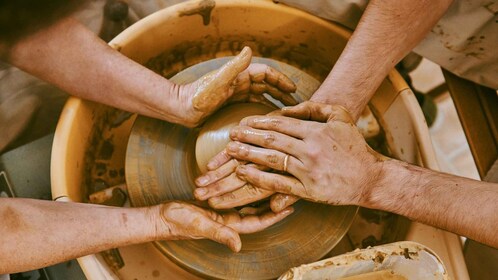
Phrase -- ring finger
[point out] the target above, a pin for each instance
(268, 139)
(270, 158)
(227, 184)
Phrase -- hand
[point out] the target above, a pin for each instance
(180, 220)
(224, 189)
(219, 180)
(330, 162)
(236, 81)
(221, 186)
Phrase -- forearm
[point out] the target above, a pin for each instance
(38, 233)
(74, 59)
(387, 31)
(460, 205)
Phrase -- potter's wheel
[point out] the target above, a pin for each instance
(161, 165)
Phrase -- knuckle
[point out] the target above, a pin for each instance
(218, 234)
(279, 185)
(313, 152)
(268, 138)
(253, 177)
(274, 123)
(252, 190)
(322, 129)
(244, 151)
(215, 188)
(216, 175)
(245, 133)
(258, 88)
(289, 146)
(272, 158)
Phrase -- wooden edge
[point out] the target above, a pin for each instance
(477, 108)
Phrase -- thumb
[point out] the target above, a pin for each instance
(301, 111)
(319, 112)
(280, 201)
(230, 70)
(213, 90)
(222, 234)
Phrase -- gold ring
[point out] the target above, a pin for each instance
(286, 160)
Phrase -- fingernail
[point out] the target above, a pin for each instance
(202, 181)
(235, 245)
(233, 133)
(200, 192)
(244, 121)
(232, 147)
(288, 211)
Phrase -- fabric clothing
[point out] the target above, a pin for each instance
(464, 41)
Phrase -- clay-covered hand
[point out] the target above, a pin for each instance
(236, 81)
(223, 189)
(180, 220)
(329, 162)
(309, 155)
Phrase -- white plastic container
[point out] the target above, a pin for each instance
(410, 260)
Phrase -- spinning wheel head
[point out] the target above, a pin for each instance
(163, 159)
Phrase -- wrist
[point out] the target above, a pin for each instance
(389, 191)
(165, 103)
(347, 100)
(159, 226)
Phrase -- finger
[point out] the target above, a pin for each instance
(215, 175)
(268, 139)
(318, 112)
(307, 111)
(220, 233)
(262, 72)
(280, 201)
(271, 181)
(260, 99)
(218, 160)
(253, 223)
(255, 210)
(225, 185)
(289, 126)
(340, 114)
(216, 87)
(285, 98)
(230, 70)
(266, 157)
(245, 195)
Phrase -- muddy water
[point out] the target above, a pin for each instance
(105, 157)
(190, 53)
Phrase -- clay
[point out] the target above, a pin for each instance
(187, 54)
(104, 154)
(219, 82)
(202, 8)
(214, 135)
(113, 196)
(377, 275)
